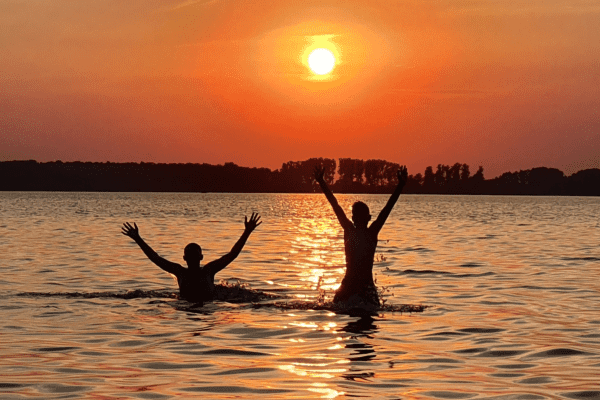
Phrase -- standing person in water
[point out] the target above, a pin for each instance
(360, 242)
(196, 284)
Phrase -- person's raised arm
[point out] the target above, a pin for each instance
(385, 212)
(339, 212)
(134, 233)
(250, 225)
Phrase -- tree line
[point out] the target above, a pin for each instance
(348, 176)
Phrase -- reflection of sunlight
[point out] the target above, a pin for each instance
(317, 250)
(317, 276)
(329, 326)
(304, 324)
(321, 364)
(327, 393)
(324, 327)
(303, 369)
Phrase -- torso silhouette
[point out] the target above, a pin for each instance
(360, 245)
(195, 284)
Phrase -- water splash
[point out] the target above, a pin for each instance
(236, 291)
(340, 308)
(321, 303)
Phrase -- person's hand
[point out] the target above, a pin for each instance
(253, 223)
(319, 173)
(131, 231)
(402, 175)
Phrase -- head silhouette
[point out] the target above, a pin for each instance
(360, 214)
(192, 254)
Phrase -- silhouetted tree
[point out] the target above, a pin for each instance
(476, 182)
(390, 175)
(464, 173)
(584, 183)
(546, 181)
(414, 184)
(374, 173)
(536, 181)
(350, 173)
(297, 176)
(429, 180)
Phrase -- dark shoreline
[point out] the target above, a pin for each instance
(354, 177)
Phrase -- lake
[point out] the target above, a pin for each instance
(511, 285)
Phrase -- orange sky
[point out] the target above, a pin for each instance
(504, 84)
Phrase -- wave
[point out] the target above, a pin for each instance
(581, 258)
(342, 308)
(130, 294)
(434, 272)
(424, 272)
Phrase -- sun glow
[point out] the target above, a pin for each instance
(279, 60)
(321, 61)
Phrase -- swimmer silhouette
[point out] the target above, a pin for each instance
(360, 241)
(196, 284)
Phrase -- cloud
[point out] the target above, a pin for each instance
(517, 8)
(192, 2)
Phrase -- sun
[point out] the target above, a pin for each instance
(321, 61)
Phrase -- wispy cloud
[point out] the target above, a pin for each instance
(192, 2)
(215, 43)
(513, 7)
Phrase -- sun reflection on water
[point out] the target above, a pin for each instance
(317, 249)
(326, 392)
(347, 349)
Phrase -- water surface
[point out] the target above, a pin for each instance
(512, 285)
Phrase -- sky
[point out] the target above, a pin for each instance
(505, 84)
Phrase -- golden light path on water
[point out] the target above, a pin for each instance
(320, 266)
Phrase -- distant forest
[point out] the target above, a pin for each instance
(353, 176)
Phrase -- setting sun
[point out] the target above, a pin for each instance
(321, 61)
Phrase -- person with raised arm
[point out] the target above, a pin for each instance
(360, 242)
(196, 284)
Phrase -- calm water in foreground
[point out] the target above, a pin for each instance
(513, 285)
